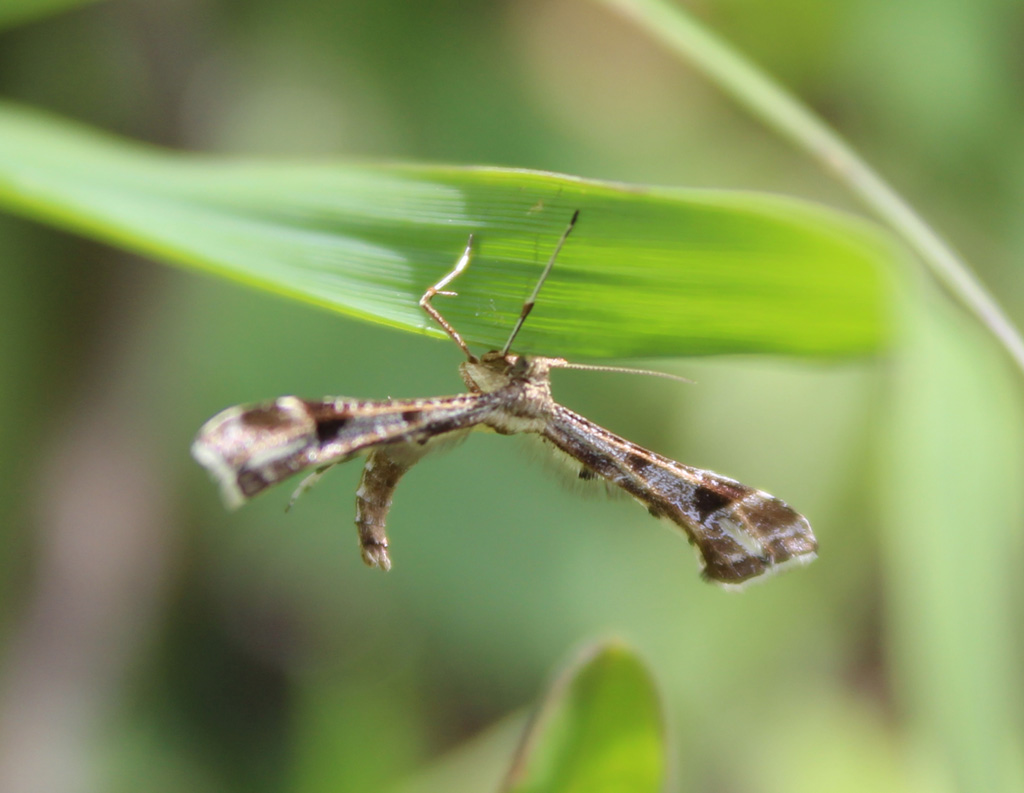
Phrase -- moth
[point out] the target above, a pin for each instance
(739, 533)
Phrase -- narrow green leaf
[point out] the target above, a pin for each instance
(599, 730)
(648, 271)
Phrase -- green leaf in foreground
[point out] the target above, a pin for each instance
(599, 729)
(648, 271)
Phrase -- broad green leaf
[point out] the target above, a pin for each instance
(599, 730)
(648, 271)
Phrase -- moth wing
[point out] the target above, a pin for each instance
(252, 447)
(740, 532)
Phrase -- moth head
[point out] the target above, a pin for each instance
(496, 370)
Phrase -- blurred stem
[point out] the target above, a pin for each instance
(794, 121)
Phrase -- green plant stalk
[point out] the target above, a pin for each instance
(795, 122)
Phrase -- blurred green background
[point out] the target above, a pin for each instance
(152, 640)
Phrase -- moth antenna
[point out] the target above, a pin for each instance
(439, 289)
(621, 370)
(528, 305)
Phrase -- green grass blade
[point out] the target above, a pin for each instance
(768, 101)
(647, 271)
(599, 730)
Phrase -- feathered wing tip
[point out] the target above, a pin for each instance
(223, 474)
(248, 448)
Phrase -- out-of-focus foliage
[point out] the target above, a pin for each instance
(152, 640)
(13, 12)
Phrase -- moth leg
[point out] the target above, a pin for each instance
(439, 289)
(384, 467)
(308, 484)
